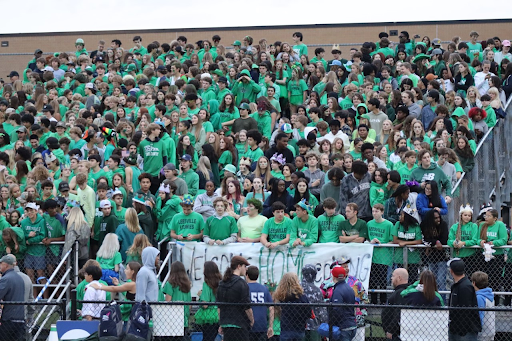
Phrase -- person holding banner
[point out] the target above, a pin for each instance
(276, 230)
(220, 228)
(304, 226)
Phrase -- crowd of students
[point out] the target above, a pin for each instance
(122, 148)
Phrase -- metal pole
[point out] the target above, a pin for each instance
(76, 264)
(73, 305)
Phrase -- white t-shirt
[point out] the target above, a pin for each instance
(91, 294)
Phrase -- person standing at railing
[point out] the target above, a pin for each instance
(34, 227)
(435, 235)
(56, 229)
(379, 232)
(462, 236)
(494, 234)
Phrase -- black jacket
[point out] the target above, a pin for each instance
(391, 316)
(12, 291)
(235, 290)
(294, 317)
(462, 321)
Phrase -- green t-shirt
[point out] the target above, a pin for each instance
(497, 233)
(210, 314)
(187, 224)
(110, 263)
(178, 296)
(54, 229)
(412, 233)
(469, 234)
(381, 231)
(329, 228)
(226, 158)
(300, 49)
(39, 227)
(307, 231)
(296, 90)
(359, 228)
(254, 155)
(220, 229)
(153, 153)
(405, 173)
(277, 231)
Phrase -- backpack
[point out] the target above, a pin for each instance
(111, 323)
(138, 324)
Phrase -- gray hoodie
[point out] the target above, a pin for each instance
(356, 191)
(147, 283)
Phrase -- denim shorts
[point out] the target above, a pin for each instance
(35, 262)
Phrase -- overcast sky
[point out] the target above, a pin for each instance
(59, 16)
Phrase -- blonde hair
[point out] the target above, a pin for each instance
(132, 220)
(288, 286)
(76, 218)
(140, 242)
(266, 176)
(109, 247)
(204, 167)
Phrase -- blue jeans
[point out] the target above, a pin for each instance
(467, 337)
(347, 335)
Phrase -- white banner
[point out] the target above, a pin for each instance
(273, 263)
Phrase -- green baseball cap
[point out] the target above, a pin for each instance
(237, 43)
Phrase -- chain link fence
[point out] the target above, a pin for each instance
(322, 321)
(417, 258)
(39, 316)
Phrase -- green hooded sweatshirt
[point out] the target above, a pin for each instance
(412, 288)
(433, 172)
(264, 123)
(306, 231)
(243, 90)
(39, 227)
(215, 118)
(469, 233)
(497, 233)
(378, 193)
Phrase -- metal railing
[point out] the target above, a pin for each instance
(166, 263)
(487, 181)
(63, 287)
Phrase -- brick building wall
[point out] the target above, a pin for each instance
(22, 46)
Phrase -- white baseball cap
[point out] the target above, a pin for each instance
(105, 203)
(32, 205)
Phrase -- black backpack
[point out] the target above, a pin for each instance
(111, 323)
(138, 324)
